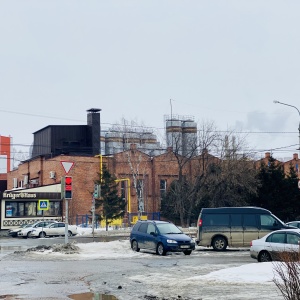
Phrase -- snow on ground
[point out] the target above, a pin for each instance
(248, 273)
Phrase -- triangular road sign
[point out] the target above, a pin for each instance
(67, 165)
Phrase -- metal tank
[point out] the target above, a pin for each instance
(102, 144)
(174, 134)
(148, 142)
(189, 138)
(131, 138)
(113, 142)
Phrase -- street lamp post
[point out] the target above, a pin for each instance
(275, 101)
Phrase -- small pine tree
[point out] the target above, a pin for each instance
(109, 205)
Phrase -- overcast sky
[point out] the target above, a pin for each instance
(221, 61)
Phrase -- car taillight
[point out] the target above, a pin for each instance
(200, 223)
(251, 244)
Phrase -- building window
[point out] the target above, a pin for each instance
(123, 190)
(15, 209)
(163, 188)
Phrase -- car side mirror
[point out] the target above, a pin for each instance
(153, 233)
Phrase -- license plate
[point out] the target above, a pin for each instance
(185, 246)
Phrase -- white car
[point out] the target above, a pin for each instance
(54, 229)
(14, 232)
(270, 246)
(26, 231)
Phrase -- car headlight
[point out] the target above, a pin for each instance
(171, 242)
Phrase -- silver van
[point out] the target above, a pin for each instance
(234, 226)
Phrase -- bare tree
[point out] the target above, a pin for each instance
(136, 159)
(287, 275)
(226, 178)
(231, 179)
(183, 195)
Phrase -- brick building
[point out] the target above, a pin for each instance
(143, 179)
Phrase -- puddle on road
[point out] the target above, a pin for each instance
(92, 296)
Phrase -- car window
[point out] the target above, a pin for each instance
(61, 225)
(267, 221)
(250, 220)
(143, 227)
(278, 237)
(136, 226)
(236, 220)
(295, 224)
(151, 228)
(292, 238)
(216, 220)
(165, 228)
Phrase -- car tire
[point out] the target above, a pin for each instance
(42, 234)
(70, 233)
(135, 246)
(160, 249)
(264, 256)
(28, 234)
(219, 243)
(187, 252)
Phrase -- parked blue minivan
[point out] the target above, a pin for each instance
(161, 237)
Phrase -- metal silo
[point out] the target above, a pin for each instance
(131, 137)
(189, 137)
(174, 134)
(102, 144)
(148, 142)
(113, 142)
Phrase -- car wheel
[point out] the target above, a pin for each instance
(135, 246)
(187, 252)
(42, 234)
(70, 233)
(219, 243)
(264, 256)
(28, 234)
(160, 250)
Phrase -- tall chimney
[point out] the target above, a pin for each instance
(94, 129)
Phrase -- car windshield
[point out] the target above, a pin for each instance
(168, 228)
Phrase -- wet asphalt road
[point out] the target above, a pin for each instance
(41, 277)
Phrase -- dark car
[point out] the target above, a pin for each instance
(161, 237)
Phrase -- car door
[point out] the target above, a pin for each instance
(141, 235)
(150, 237)
(267, 223)
(61, 229)
(250, 229)
(292, 246)
(236, 231)
(52, 229)
(275, 244)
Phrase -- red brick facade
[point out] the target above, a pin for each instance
(122, 165)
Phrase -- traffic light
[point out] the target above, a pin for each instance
(68, 187)
(96, 193)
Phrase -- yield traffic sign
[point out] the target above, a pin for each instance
(67, 165)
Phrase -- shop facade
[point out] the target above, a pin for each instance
(22, 207)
